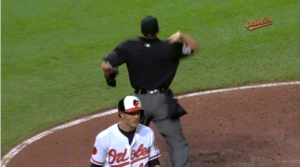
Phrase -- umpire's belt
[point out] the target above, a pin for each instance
(145, 91)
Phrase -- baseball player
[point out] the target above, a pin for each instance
(127, 143)
(152, 64)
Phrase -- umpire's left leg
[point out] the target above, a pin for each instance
(178, 147)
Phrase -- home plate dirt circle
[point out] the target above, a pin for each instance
(247, 126)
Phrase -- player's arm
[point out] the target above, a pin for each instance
(154, 152)
(99, 152)
(187, 40)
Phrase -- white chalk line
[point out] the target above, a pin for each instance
(239, 88)
(292, 161)
(19, 147)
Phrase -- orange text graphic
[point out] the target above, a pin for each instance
(253, 24)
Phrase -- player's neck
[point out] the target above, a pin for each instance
(125, 127)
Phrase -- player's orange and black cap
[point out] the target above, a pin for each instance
(130, 104)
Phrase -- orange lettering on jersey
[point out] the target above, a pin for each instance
(121, 157)
(115, 157)
(141, 151)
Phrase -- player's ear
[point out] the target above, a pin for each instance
(121, 114)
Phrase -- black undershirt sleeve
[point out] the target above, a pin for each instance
(94, 165)
(153, 162)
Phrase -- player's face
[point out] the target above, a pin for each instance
(131, 119)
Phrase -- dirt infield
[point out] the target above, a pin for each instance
(246, 128)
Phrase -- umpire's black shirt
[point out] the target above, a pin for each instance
(151, 63)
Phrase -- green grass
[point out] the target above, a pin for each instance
(52, 51)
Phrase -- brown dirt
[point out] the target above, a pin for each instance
(247, 128)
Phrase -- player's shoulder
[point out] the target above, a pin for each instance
(108, 132)
(144, 129)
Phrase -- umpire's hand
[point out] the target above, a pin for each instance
(176, 37)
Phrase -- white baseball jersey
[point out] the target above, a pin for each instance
(112, 148)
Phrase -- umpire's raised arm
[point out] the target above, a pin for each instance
(187, 40)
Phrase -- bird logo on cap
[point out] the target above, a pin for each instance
(136, 103)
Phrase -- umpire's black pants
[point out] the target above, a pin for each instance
(159, 108)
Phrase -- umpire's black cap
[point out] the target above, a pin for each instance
(149, 26)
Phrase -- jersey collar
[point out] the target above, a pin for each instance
(149, 39)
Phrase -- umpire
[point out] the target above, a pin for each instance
(152, 64)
